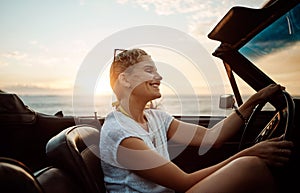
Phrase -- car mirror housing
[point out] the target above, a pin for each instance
(227, 101)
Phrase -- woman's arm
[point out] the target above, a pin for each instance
(197, 135)
(135, 155)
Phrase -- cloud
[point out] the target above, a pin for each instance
(2, 64)
(169, 7)
(33, 42)
(200, 14)
(82, 2)
(283, 66)
(24, 89)
(14, 55)
(67, 54)
(41, 69)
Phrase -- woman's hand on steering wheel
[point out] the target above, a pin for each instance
(281, 124)
(265, 93)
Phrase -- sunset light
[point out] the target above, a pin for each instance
(40, 52)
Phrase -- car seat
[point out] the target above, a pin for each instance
(17, 177)
(55, 180)
(76, 150)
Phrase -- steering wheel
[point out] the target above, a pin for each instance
(282, 123)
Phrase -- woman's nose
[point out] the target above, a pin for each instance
(158, 76)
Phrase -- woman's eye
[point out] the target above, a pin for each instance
(149, 70)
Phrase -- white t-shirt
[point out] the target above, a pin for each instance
(118, 127)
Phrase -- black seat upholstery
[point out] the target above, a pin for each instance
(76, 149)
(17, 177)
(55, 180)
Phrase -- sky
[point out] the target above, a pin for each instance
(43, 43)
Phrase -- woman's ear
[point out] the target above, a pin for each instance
(123, 80)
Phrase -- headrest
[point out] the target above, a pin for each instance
(16, 177)
(77, 137)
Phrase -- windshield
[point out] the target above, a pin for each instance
(276, 50)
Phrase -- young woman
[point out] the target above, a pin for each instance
(133, 143)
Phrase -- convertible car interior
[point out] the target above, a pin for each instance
(41, 153)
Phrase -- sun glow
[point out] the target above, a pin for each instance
(103, 84)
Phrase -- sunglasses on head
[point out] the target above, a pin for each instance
(116, 52)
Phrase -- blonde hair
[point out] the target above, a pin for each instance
(122, 61)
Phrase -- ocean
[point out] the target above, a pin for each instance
(101, 105)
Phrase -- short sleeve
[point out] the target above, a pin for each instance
(162, 117)
(111, 135)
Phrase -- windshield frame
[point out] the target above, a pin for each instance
(228, 51)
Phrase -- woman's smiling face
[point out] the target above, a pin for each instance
(144, 79)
